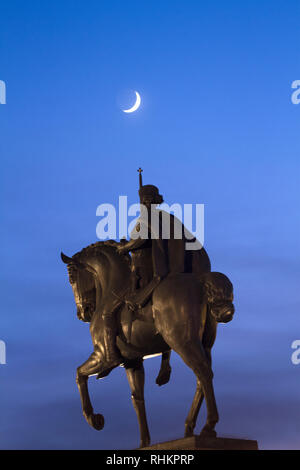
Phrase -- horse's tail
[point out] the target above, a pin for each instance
(219, 293)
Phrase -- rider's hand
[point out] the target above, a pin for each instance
(121, 249)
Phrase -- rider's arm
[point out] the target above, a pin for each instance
(134, 243)
(131, 245)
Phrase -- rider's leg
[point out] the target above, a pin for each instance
(113, 356)
(134, 281)
(165, 369)
(141, 297)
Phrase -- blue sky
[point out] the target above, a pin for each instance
(216, 126)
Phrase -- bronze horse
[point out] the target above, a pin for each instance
(182, 316)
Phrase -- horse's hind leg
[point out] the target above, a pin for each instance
(191, 419)
(136, 378)
(194, 355)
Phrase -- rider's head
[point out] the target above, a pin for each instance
(149, 194)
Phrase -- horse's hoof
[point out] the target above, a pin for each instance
(188, 431)
(96, 421)
(164, 377)
(208, 433)
(144, 443)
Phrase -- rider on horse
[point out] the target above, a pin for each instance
(154, 255)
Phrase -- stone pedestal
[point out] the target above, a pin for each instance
(205, 443)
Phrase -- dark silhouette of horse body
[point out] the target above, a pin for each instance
(182, 316)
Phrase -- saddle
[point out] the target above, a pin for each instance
(139, 305)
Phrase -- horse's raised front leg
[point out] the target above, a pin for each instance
(165, 369)
(89, 367)
(136, 378)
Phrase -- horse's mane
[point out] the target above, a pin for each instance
(95, 249)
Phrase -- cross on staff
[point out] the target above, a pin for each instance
(140, 171)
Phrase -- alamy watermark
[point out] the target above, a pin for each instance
(2, 352)
(295, 357)
(162, 224)
(2, 92)
(295, 97)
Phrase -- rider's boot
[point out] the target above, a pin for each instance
(113, 357)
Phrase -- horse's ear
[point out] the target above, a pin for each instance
(65, 258)
(71, 261)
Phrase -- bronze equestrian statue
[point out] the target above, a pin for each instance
(149, 304)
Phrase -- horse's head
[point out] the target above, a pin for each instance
(219, 293)
(94, 273)
(84, 289)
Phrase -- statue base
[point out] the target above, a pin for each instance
(205, 443)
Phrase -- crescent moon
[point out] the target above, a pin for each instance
(135, 106)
